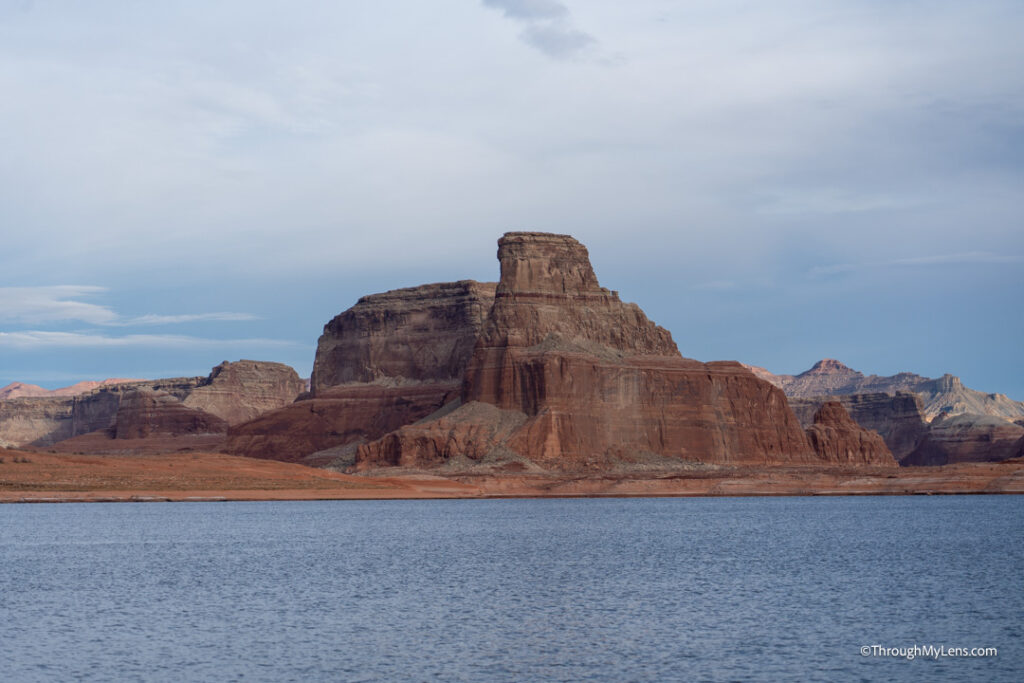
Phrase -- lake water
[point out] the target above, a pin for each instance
(711, 589)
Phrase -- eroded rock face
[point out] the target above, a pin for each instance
(343, 415)
(967, 438)
(233, 391)
(390, 360)
(145, 413)
(240, 391)
(583, 381)
(836, 438)
(897, 418)
(945, 395)
(405, 336)
(36, 421)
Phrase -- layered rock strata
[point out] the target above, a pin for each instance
(339, 416)
(967, 438)
(240, 391)
(417, 334)
(567, 377)
(898, 417)
(944, 395)
(390, 360)
(836, 438)
(232, 391)
(145, 413)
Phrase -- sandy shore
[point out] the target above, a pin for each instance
(46, 477)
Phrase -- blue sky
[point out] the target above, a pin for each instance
(184, 183)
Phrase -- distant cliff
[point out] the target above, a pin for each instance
(232, 392)
(945, 395)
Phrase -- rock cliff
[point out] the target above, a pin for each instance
(967, 438)
(566, 377)
(390, 360)
(240, 391)
(416, 334)
(836, 438)
(233, 391)
(145, 413)
(945, 395)
(898, 418)
(341, 416)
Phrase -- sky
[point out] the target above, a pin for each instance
(190, 182)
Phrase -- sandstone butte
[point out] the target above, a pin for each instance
(545, 372)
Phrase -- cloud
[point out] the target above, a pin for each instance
(718, 286)
(153, 319)
(548, 26)
(38, 339)
(51, 304)
(971, 257)
(556, 41)
(529, 9)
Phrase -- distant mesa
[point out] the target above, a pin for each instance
(21, 390)
(231, 393)
(945, 395)
(924, 421)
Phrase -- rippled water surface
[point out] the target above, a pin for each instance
(512, 590)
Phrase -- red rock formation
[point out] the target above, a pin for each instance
(242, 390)
(898, 418)
(585, 381)
(945, 395)
(416, 334)
(836, 438)
(144, 413)
(390, 360)
(967, 438)
(233, 391)
(350, 414)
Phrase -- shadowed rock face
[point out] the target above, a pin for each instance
(144, 413)
(582, 381)
(967, 438)
(391, 359)
(836, 438)
(339, 416)
(897, 418)
(417, 334)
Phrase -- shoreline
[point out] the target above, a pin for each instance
(35, 477)
(136, 498)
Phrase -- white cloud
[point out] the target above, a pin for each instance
(59, 303)
(972, 257)
(39, 339)
(718, 286)
(50, 304)
(153, 319)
